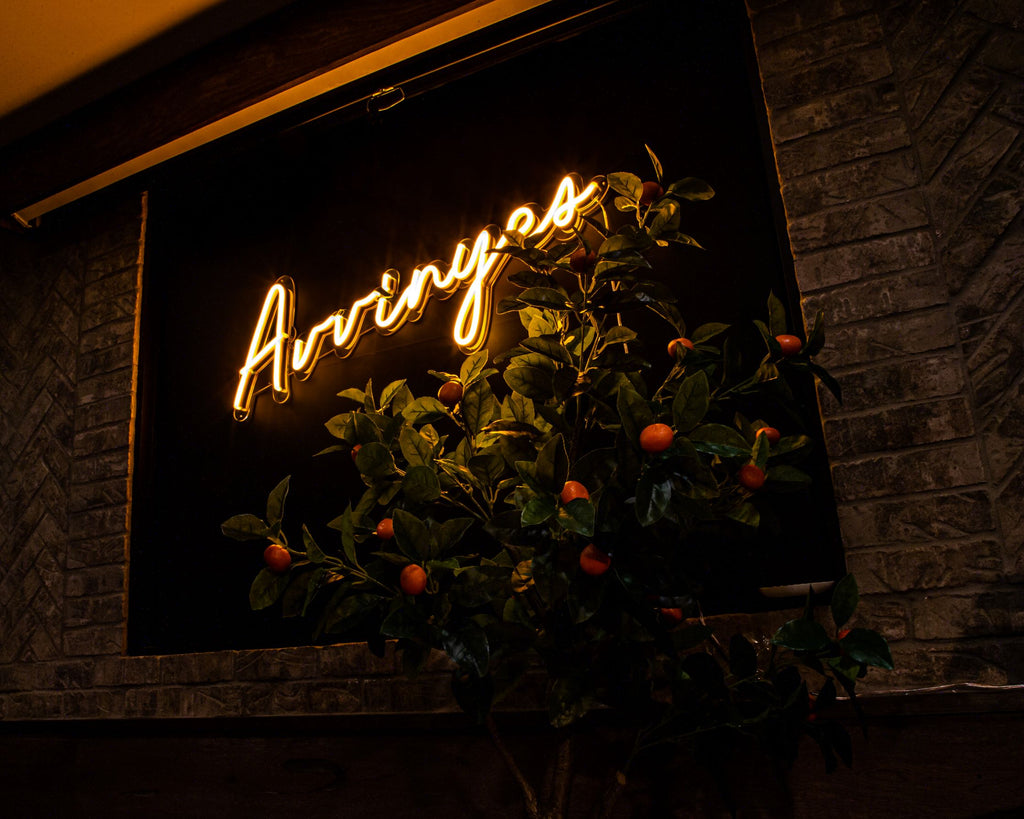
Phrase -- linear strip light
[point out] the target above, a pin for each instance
(415, 44)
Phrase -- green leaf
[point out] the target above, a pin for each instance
(538, 509)
(549, 346)
(478, 585)
(868, 647)
(389, 392)
(412, 536)
(245, 527)
(406, 622)
(425, 410)
(473, 367)
(488, 466)
(275, 503)
(343, 524)
(653, 496)
(691, 188)
(759, 455)
(615, 246)
(708, 331)
(627, 184)
(578, 516)
(375, 460)
(634, 413)
(531, 382)
(421, 485)
(826, 378)
(468, 648)
(546, 297)
(416, 449)
(845, 597)
(450, 532)
(553, 465)
(776, 315)
(266, 589)
(747, 514)
(655, 162)
(691, 402)
(619, 335)
(366, 430)
(341, 426)
(353, 394)
(666, 219)
(816, 338)
(802, 635)
(479, 406)
(313, 551)
(717, 439)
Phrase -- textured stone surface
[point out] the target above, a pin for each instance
(917, 519)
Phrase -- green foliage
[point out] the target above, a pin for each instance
(474, 493)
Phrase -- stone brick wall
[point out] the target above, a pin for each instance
(897, 133)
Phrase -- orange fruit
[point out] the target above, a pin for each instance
(450, 393)
(656, 438)
(672, 616)
(675, 344)
(277, 558)
(355, 451)
(581, 261)
(790, 345)
(413, 580)
(573, 490)
(593, 561)
(771, 433)
(751, 476)
(843, 633)
(652, 191)
(386, 529)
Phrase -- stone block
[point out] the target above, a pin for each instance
(34, 705)
(915, 378)
(93, 581)
(888, 617)
(90, 611)
(112, 492)
(790, 18)
(113, 252)
(209, 701)
(205, 667)
(1010, 506)
(821, 43)
(987, 614)
(936, 566)
(859, 140)
(102, 413)
(106, 359)
(1004, 435)
(917, 519)
(108, 335)
(996, 363)
(336, 698)
(142, 703)
(1004, 52)
(108, 385)
(102, 439)
(93, 523)
(116, 309)
(900, 427)
(878, 297)
(100, 467)
(276, 664)
(916, 470)
(93, 640)
(835, 111)
(889, 337)
(126, 671)
(104, 551)
(269, 699)
(928, 664)
(122, 276)
(427, 693)
(356, 660)
(848, 183)
(987, 221)
(894, 213)
(994, 283)
(1001, 12)
(94, 704)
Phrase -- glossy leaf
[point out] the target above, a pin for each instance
(691, 402)
(245, 527)
(845, 597)
(421, 485)
(802, 635)
(267, 589)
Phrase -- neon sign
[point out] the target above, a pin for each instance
(276, 346)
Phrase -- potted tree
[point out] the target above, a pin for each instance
(553, 510)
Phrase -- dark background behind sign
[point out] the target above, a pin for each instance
(335, 203)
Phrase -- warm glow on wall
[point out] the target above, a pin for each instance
(474, 267)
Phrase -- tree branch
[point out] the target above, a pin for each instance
(529, 796)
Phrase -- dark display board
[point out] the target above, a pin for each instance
(334, 204)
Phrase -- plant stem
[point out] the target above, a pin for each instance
(561, 779)
(529, 795)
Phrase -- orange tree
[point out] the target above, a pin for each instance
(559, 523)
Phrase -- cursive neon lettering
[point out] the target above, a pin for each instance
(474, 267)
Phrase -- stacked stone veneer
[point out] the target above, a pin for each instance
(897, 132)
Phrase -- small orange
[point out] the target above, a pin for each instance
(386, 529)
(581, 261)
(771, 433)
(413, 579)
(751, 476)
(672, 616)
(277, 558)
(675, 344)
(843, 634)
(573, 490)
(593, 561)
(450, 393)
(656, 438)
(355, 451)
(652, 190)
(791, 345)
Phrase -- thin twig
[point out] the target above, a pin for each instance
(529, 796)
